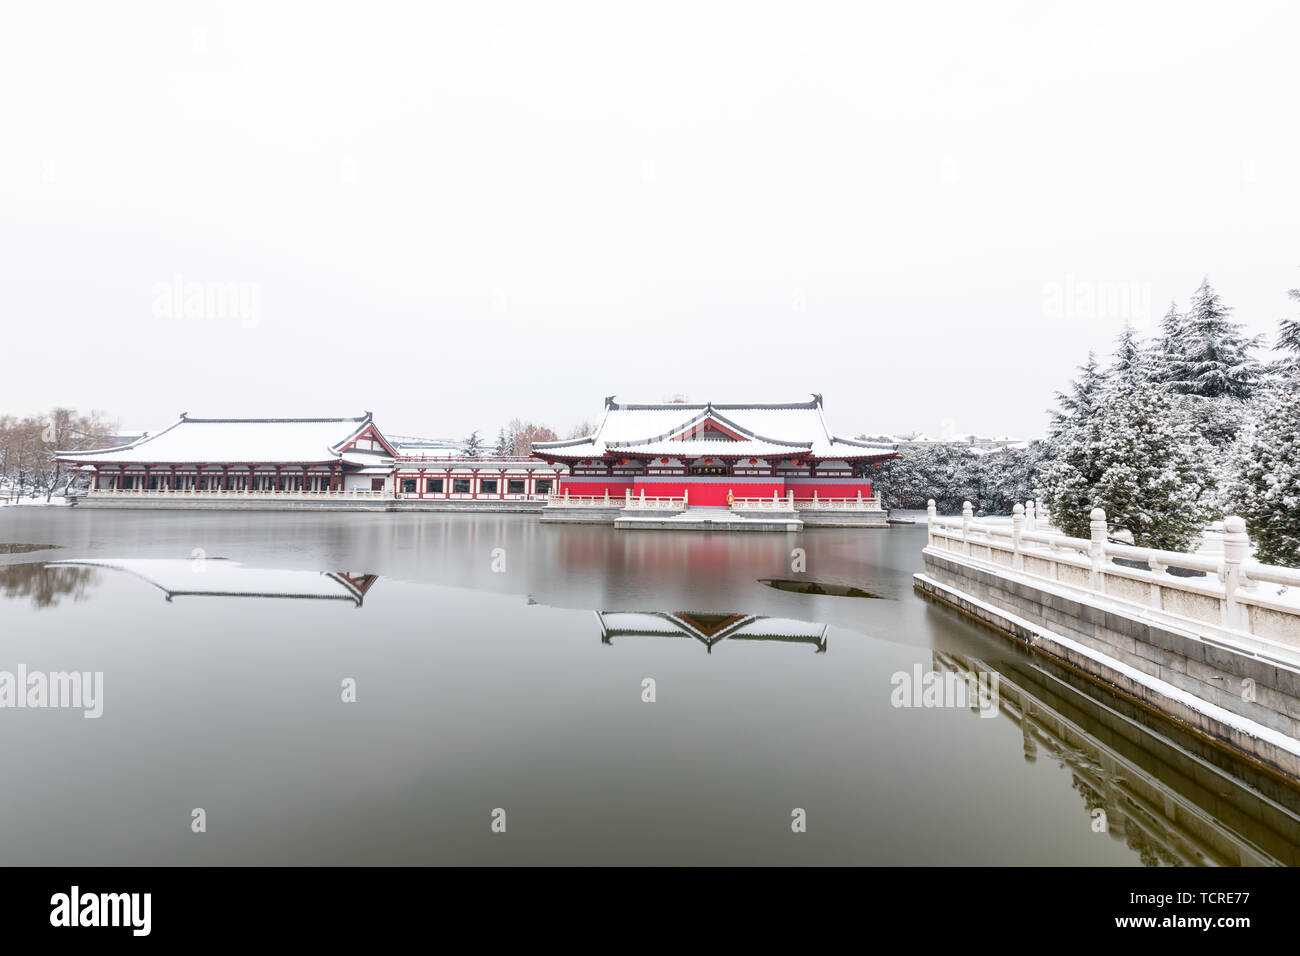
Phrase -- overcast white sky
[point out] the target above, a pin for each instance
(459, 214)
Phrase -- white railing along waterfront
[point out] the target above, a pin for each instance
(466, 496)
(783, 503)
(815, 503)
(218, 493)
(650, 502)
(1220, 589)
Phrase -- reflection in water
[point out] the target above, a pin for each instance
(219, 577)
(709, 629)
(1139, 782)
(44, 584)
(815, 587)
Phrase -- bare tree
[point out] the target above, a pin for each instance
(524, 434)
(582, 429)
(27, 448)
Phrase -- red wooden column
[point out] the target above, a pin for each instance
(501, 484)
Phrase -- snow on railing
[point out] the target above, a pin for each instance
(815, 503)
(231, 493)
(567, 500)
(838, 504)
(1219, 589)
(467, 496)
(641, 501)
(775, 503)
(479, 462)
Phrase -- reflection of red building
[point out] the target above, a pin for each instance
(708, 452)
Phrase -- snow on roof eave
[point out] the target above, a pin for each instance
(707, 414)
(853, 442)
(367, 421)
(142, 440)
(669, 406)
(331, 453)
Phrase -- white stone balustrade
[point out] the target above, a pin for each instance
(1222, 590)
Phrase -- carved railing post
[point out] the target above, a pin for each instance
(1097, 550)
(1236, 548)
(967, 512)
(1031, 521)
(931, 514)
(1017, 529)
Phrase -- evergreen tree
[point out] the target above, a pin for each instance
(1140, 457)
(993, 481)
(1166, 351)
(1130, 366)
(1215, 360)
(472, 447)
(1085, 391)
(1288, 341)
(503, 444)
(1265, 488)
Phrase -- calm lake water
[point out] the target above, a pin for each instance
(500, 664)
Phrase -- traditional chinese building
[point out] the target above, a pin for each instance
(279, 458)
(713, 454)
(246, 455)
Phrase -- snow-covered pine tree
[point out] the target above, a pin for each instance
(1215, 360)
(1142, 458)
(1288, 342)
(1153, 466)
(1129, 366)
(1066, 470)
(1265, 488)
(472, 446)
(502, 448)
(1085, 391)
(1070, 474)
(1165, 352)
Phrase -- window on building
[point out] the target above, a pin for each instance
(488, 486)
(433, 486)
(376, 484)
(543, 486)
(460, 486)
(515, 486)
(408, 485)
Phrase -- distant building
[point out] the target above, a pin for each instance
(245, 455)
(977, 442)
(253, 457)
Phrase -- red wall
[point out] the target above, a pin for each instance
(710, 493)
(617, 487)
(829, 489)
(714, 493)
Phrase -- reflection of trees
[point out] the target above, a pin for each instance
(45, 586)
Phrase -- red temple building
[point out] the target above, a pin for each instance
(713, 455)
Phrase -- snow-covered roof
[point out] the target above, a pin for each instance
(683, 430)
(219, 577)
(237, 440)
(709, 628)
